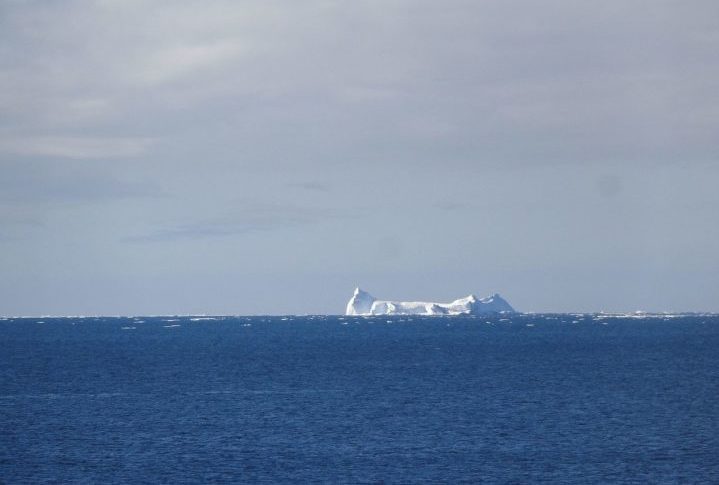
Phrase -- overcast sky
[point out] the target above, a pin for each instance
(245, 157)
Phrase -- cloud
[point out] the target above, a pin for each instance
(511, 83)
(39, 183)
(254, 218)
(75, 147)
(163, 66)
(18, 224)
(310, 186)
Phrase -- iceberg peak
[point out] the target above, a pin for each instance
(360, 303)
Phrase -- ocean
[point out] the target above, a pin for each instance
(329, 399)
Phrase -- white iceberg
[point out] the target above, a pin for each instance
(362, 303)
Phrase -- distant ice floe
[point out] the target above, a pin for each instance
(639, 314)
(362, 303)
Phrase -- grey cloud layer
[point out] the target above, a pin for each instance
(510, 80)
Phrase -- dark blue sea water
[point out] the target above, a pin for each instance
(526, 399)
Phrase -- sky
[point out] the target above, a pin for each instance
(266, 157)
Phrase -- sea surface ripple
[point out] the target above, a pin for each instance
(520, 399)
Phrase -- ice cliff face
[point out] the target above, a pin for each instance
(362, 303)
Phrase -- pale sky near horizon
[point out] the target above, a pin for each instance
(265, 157)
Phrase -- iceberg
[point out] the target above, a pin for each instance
(362, 303)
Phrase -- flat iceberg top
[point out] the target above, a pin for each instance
(362, 303)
